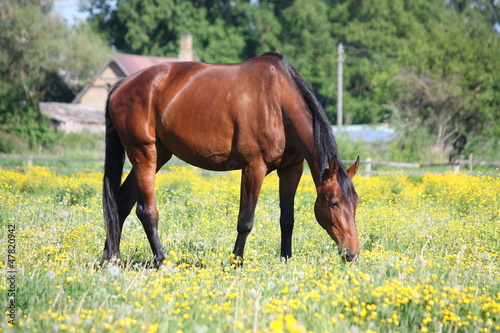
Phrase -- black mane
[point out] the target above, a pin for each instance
(324, 139)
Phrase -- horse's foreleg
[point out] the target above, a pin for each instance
(289, 180)
(251, 182)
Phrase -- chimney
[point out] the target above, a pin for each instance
(186, 49)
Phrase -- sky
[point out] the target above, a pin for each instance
(69, 10)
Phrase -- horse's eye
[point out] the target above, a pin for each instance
(334, 204)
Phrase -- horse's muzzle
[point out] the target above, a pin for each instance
(348, 256)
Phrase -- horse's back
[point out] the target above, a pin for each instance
(213, 116)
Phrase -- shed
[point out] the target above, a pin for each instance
(86, 111)
(117, 68)
(71, 118)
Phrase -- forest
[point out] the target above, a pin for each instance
(429, 69)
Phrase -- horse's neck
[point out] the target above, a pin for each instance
(302, 128)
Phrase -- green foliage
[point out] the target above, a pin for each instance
(452, 44)
(452, 47)
(41, 58)
(350, 149)
(22, 120)
(75, 196)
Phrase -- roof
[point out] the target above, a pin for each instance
(129, 64)
(132, 63)
(64, 112)
(367, 133)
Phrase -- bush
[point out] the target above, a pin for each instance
(23, 121)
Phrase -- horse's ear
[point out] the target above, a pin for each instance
(353, 169)
(333, 167)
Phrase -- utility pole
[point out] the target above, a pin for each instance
(339, 86)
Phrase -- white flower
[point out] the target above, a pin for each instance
(485, 256)
(114, 270)
(200, 329)
(421, 261)
(51, 274)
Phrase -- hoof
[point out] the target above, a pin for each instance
(111, 259)
(237, 262)
(159, 262)
(284, 259)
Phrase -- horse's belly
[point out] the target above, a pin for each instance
(223, 154)
(210, 152)
(214, 163)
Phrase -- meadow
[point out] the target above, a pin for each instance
(430, 259)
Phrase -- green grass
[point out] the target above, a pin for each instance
(430, 258)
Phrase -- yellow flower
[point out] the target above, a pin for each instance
(153, 328)
(276, 326)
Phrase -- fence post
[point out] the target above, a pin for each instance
(368, 167)
(456, 168)
(29, 164)
(470, 162)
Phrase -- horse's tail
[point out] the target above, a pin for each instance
(113, 169)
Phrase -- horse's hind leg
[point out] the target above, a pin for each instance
(289, 180)
(145, 164)
(128, 193)
(127, 196)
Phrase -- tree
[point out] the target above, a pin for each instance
(462, 56)
(437, 108)
(488, 9)
(153, 28)
(38, 53)
(451, 46)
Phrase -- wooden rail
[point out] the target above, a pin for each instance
(367, 170)
(456, 166)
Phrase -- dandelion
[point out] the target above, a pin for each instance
(276, 326)
(485, 256)
(354, 329)
(200, 329)
(421, 261)
(425, 263)
(114, 270)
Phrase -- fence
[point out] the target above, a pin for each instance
(456, 166)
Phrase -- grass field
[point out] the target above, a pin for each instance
(430, 260)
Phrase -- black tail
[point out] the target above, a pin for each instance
(113, 169)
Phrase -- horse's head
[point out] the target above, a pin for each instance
(335, 208)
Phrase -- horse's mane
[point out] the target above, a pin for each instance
(324, 139)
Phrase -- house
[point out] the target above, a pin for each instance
(86, 111)
(117, 68)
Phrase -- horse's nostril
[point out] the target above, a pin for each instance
(348, 256)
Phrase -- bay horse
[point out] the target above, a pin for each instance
(258, 116)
